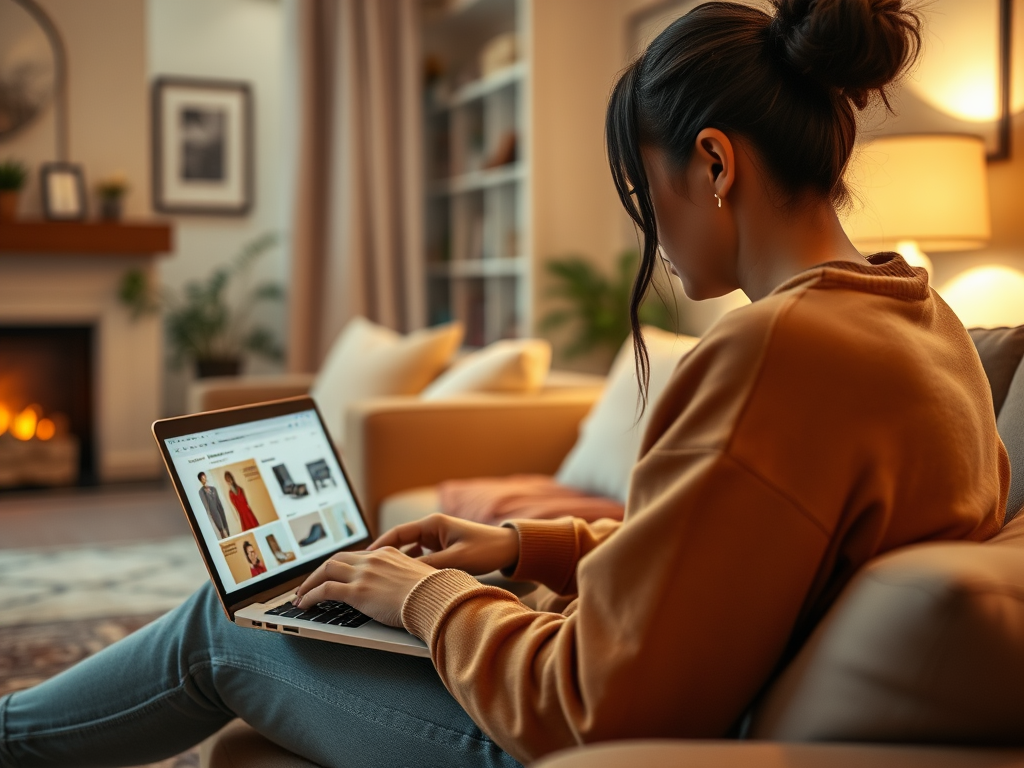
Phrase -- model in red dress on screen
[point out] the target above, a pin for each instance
(241, 504)
(256, 566)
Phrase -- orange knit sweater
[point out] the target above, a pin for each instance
(842, 416)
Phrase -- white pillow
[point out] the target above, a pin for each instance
(602, 460)
(504, 366)
(369, 360)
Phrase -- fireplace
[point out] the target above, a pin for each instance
(68, 275)
(47, 419)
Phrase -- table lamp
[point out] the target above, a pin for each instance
(917, 194)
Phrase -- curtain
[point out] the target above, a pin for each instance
(358, 219)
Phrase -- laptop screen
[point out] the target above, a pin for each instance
(266, 495)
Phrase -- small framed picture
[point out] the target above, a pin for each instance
(63, 186)
(202, 147)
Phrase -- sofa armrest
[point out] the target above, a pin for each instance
(395, 444)
(767, 754)
(229, 391)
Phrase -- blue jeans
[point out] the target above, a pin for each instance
(175, 682)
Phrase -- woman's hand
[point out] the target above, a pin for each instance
(454, 543)
(375, 583)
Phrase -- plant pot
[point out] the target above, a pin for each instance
(225, 366)
(9, 204)
(111, 208)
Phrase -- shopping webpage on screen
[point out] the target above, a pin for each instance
(266, 495)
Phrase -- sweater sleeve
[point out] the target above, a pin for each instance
(549, 550)
(713, 558)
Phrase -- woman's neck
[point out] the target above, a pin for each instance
(776, 244)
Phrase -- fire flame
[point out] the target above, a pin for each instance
(23, 426)
(46, 429)
(28, 423)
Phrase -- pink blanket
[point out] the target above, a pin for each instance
(496, 499)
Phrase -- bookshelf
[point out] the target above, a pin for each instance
(478, 264)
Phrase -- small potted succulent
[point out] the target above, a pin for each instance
(12, 179)
(111, 191)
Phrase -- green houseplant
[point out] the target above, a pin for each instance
(111, 192)
(210, 323)
(12, 179)
(596, 307)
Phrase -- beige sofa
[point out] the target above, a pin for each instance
(925, 647)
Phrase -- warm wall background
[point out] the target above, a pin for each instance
(230, 40)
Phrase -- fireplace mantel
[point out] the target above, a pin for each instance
(135, 238)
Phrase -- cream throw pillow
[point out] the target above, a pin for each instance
(602, 460)
(369, 360)
(504, 366)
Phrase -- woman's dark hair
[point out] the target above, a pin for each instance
(787, 84)
(200, 476)
(228, 477)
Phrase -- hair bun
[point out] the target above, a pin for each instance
(855, 46)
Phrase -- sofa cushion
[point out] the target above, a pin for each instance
(512, 365)
(369, 361)
(237, 745)
(1001, 351)
(602, 459)
(686, 753)
(926, 644)
(493, 500)
(1011, 429)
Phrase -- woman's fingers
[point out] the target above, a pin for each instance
(329, 590)
(427, 532)
(332, 570)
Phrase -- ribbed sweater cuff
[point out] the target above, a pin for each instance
(434, 596)
(548, 552)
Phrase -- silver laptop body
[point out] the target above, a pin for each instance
(268, 500)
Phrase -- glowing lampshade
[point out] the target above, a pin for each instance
(990, 296)
(919, 192)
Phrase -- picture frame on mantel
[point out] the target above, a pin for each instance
(63, 189)
(961, 83)
(202, 146)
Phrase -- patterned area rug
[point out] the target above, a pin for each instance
(58, 607)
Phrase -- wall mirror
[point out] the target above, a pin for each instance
(32, 70)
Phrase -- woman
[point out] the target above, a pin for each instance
(246, 519)
(256, 566)
(840, 415)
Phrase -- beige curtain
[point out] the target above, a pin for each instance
(358, 220)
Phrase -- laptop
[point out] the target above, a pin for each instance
(268, 500)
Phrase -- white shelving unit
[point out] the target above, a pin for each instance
(477, 215)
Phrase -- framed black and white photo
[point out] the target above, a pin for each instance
(202, 146)
(63, 188)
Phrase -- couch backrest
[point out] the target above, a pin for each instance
(926, 643)
(1002, 355)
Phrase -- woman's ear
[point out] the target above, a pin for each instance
(714, 152)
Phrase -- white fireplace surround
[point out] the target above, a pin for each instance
(44, 289)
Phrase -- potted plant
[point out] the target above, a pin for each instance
(210, 322)
(596, 307)
(111, 191)
(12, 179)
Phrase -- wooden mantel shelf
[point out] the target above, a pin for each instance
(133, 238)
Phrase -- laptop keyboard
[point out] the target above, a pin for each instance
(326, 612)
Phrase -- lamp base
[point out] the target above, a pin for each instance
(914, 256)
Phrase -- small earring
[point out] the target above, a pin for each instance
(718, 199)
